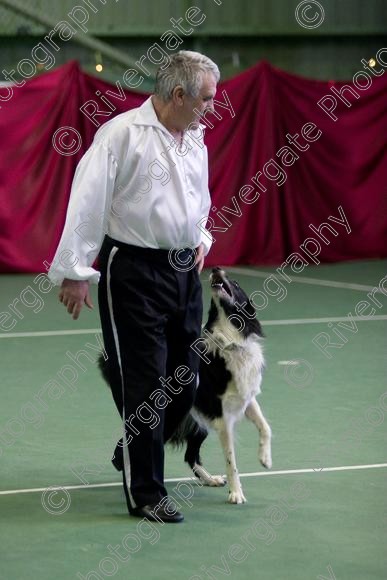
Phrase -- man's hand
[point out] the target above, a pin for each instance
(199, 262)
(73, 294)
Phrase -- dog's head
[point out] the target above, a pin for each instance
(228, 296)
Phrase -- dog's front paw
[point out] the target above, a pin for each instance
(208, 479)
(236, 497)
(216, 481)
(265, 456)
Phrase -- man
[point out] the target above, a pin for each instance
(144, 181)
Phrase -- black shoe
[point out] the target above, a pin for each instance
(167, 512)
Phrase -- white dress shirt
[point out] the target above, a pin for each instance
(139, 186)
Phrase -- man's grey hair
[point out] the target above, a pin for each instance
(186, 69)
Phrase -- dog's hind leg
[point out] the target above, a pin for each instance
(253, 413)
(225, 431)
(192, 457)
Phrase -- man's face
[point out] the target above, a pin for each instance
(194, 107)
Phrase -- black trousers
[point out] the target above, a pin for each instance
(150, 315)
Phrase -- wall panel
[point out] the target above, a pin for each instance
(241, 17)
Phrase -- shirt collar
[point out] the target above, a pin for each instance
(146, 115)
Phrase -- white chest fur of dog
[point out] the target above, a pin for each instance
(230, 376)
(243, 357)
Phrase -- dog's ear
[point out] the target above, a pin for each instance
(250, 309)
(212, 316)
(257, 328)
(255, 325)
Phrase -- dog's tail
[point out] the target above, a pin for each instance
(104, 368)
(186, 429)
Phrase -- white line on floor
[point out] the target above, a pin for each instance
(285, 322)
(177, 479)
(50, 333)
(291, 321)
(302, 279)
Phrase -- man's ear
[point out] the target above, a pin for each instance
(177, 95)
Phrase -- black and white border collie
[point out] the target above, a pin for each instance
(230, 377)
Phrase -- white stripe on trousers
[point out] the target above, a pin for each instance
(125, 447)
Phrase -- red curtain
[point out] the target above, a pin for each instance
(345, 166)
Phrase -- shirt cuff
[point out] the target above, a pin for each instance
(206, 240)
(57, 276)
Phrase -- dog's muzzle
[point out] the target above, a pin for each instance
(220, 286)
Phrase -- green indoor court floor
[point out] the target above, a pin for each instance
(321, 512)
